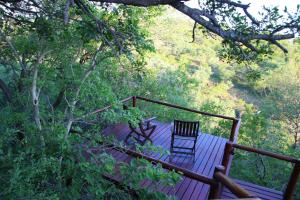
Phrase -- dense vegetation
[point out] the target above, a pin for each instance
(52, 73)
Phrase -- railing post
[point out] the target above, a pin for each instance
(288, 194)
(227, 158)
(215, 189)
(134, 101)
(234, 130)
(235, 126)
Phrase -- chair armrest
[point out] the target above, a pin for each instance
(148, 120)
(147, 123)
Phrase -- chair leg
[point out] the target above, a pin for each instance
(194, 149)
(194, 159)
(128, 136)
(172, 143)
(171, 148)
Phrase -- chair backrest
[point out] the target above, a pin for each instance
(186, 128)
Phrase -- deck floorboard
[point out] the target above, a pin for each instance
(259, 191)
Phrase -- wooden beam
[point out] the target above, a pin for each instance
(290, 189)
(186, 109)
(227, 158)
(230, 184)
(166, 165)
(104, 108)
(215, 190)
(235, 130)
(267, 153)
(134, 101)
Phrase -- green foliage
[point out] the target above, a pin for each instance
(78, 70)
(134, 52)
(139, 170)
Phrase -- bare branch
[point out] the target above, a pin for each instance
(35, 98)
(279, 46)
(196, 15)
(194, 28)
(144, 3)
(209, 18)
(254, 21)
(233, 3)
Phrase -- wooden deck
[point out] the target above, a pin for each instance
(209, 153)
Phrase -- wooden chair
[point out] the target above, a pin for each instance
(142, 132)
(186, 130)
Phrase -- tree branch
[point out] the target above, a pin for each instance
(208, 20)
(59, 98)
(143, 3)
(6, 91)
(72, 105)
(193, 32)
(233, 3)
(197, 14)
(217, 20)
(35, 98)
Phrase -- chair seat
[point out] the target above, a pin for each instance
(182, 147)
(184, 138)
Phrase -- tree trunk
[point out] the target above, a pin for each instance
(72, 105)
(6, 91)
(35, 99)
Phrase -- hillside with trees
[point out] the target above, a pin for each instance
(266, 93)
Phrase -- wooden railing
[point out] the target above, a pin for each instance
(291, 186)
(236, 122)
(168, 166)
(220, 177)
(223, 180)
(182, 108)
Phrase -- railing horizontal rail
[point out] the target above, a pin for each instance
(168, 166)
(291, 186)
(107, 107)
(186, 109)
(266, 153)
(103, 109)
